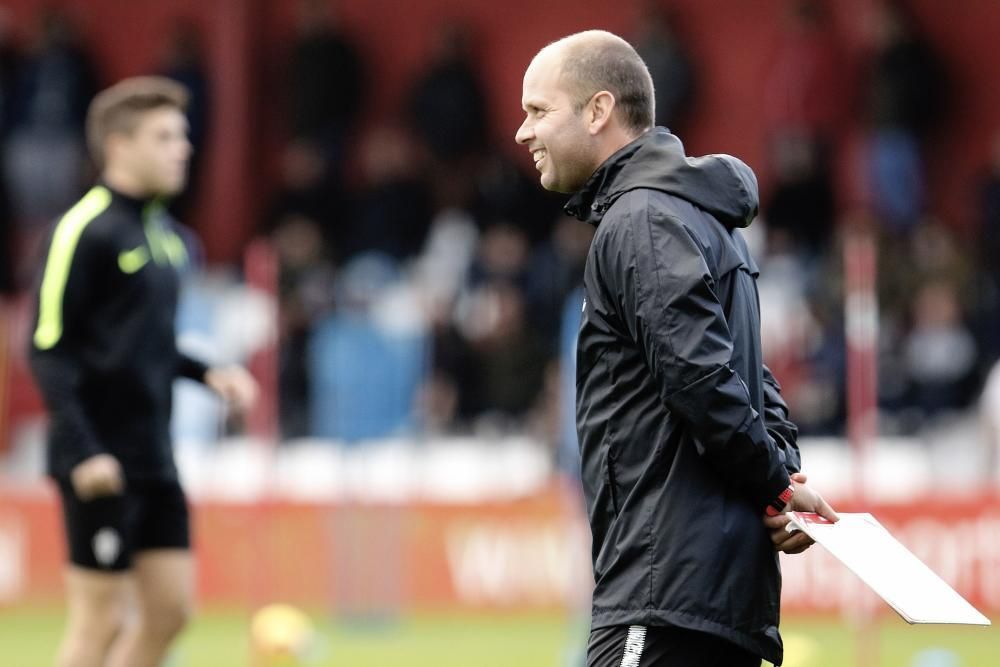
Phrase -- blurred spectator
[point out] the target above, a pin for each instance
(7, 281)
(325, 80)
(989, 419)
(989, 251)
(820, 403)
(302, 191)
(913, 271)
(393, 210)
(9, 60)
(489, 360)
(327, 84)
(990, 209)
(305, 293)
(801, 205)
(44, 155)
(183, 60)
(503, 255)
(802, 332)
(669, 63)
(57, 80)
(907, 96)
(930, 252)
(805, 86)
(447, 103)
(369, 357)
(503, 191)
(556, 271)
(502, 374)
(805, 104)
(940, 352)
(442, 269)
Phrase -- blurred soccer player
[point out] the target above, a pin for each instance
(105, 356)
(688, 456)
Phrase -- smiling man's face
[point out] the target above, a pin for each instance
(554, 133)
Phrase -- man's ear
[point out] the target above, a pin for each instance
(599, 111)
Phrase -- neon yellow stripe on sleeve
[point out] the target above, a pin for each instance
(175, 249)
(64, 241)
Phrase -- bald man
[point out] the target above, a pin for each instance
(689, 460)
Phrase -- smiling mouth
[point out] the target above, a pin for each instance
(539, 155)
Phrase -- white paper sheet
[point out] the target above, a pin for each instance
(861, 543)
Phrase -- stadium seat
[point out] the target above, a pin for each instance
(364, 378)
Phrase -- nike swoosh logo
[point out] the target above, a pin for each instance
(130, 261)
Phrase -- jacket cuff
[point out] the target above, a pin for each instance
(773, 493)
(776, 479)
(778, 505)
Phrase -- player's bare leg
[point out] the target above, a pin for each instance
(96, 607)
(164, 583)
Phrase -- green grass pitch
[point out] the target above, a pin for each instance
(219, 638)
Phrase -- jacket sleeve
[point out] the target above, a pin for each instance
(668, 299)
(783, 432)
(191, 368)
(67, 294)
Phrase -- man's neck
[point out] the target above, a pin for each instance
(616, 140)
(125, 183)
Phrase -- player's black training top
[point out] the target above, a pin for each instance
(103, 349)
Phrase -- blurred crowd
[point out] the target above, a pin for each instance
(428, 285)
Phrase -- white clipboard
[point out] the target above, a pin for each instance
(911, 588)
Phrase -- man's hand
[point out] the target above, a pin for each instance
(99, 475)
(235, 385)
(805, 499)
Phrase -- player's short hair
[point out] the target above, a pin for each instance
(118, 108)
(596, 60)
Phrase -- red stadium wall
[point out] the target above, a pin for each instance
(371, 561)
(732, 41)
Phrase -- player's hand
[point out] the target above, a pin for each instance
(99, 475)
(805, 499)
(235, 385)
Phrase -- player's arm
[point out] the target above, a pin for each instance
(68, 291)
(233, 383)
(668, 300)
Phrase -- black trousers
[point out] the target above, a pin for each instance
(639, 646)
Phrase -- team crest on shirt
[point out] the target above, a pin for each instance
(107, 544)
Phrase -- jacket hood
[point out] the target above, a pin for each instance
(720, 184)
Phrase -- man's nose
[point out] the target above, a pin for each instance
(523, 134)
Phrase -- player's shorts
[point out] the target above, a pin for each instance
(104, 533)
(640, 646)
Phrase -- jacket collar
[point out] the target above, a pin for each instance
(592, 201)
(718, 184)
(137, 204)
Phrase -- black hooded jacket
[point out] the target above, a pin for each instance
(684, 436)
